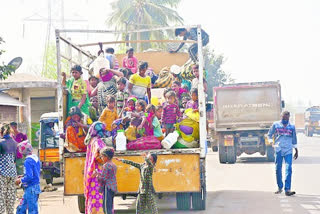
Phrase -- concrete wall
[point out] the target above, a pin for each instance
(25, 95)
(8, 114)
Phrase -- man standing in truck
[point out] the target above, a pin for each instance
(285, 139)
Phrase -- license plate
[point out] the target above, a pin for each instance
(228, 142)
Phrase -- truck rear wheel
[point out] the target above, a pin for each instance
(49, 180)
(81, 203)
(222, 154)
(270, 153)
(231, 154)
(183, 201)
(199, 199)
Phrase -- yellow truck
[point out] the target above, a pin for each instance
(179, 171)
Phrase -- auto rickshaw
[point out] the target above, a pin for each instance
(49, 146)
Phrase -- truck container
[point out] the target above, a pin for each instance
(244, 113)
(312, 121)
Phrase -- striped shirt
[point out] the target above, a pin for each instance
(170, 113)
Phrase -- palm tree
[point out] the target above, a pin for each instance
(144, 14)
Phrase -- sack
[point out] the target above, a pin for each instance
(165, 79)
(186, 71)
(185, 132)
(144, 143)
(184, 144)
(131, 133)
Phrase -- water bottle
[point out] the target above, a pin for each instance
(170, 140)
(121, 141)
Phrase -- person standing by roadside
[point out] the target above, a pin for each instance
(146, 197)
(8, 172)
(94, 142)
(107, 179)
(30, 181)
(18, 137)
(285, 138)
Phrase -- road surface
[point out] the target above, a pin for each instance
(242, 188)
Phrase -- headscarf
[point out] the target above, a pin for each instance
(97, 129)
(25, 148)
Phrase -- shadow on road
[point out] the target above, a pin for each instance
(252, 160)
(244, 202)
(307, 160)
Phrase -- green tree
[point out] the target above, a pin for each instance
(215, 75)
(144, 14)
(5, 70)
(50, 63)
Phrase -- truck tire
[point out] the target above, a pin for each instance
(183, 200)
(222, 154)
(49, 180)
(214, 148)
(231, 154)
(270, 154)
(81, 203)
(199, 199)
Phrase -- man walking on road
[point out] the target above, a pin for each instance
(285, 138)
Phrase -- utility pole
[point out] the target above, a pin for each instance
(56, 10)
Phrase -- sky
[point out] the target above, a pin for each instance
(261, 40)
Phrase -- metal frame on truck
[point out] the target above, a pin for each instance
(183, 197)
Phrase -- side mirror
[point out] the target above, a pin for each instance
(283, 105)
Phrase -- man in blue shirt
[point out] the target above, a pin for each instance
(285, 139)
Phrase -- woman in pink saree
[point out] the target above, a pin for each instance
(94, 198)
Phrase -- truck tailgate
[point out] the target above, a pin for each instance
(247, 107)
(174, 172)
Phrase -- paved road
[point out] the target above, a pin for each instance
(245, 187)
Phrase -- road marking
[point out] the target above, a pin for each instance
(309, 206)
(285, 205)
(287, 210)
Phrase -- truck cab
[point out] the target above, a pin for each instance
(49, 146)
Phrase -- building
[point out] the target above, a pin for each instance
(36, 93)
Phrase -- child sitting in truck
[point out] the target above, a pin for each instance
(193, 103)
(77, 90)
(109, 114)
(154, 122)
(122, 96)
(171, 112)
(138, 116)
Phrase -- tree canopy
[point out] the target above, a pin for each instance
(216, 76)
(5, 70)
(144, 14)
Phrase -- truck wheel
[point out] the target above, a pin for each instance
(214, 148)
(270, 153)
(81, 203)
(49, 180)
(222, 154)
(231, 154)
(183, 201)
(199, 199)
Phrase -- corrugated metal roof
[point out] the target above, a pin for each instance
(7, 100)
